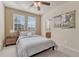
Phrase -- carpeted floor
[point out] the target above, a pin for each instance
(10, 51)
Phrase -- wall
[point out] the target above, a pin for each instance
(1, 24)
(66, 39)
(9, 19)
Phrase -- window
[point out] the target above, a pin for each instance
(31, 23)
(18, 22)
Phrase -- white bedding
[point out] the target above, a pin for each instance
(27, 46)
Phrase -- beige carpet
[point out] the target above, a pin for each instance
(10, 51)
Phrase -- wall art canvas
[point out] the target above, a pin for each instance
(57, 21)
(68, 20)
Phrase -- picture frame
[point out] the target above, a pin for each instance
(68, 20)
(57, 21)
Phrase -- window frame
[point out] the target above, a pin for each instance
(17, 15)
(35, 23)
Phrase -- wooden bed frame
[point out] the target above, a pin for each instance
(53, 48)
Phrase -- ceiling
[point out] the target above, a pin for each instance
(25, 6)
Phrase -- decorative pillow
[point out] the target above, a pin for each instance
(23, 33)
(29, 34)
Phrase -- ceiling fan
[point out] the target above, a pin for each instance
(38, 4)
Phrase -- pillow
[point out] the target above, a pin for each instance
(29, 34)
(23, 33)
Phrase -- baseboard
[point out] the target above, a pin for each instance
(69, 51)
(1, 45)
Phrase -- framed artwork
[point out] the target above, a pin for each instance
(68, 20)
(57, 21)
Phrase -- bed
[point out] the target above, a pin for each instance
(28, 46)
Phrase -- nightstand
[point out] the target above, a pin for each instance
(10, 40)
(48, 34)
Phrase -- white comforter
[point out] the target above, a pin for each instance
(27, 46)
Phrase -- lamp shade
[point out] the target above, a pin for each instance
(12, 31)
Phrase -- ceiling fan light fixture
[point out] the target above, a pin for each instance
(39, 4)
(35, 4)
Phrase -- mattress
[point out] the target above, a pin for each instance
(28, 46)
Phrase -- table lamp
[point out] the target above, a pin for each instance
(12, 32)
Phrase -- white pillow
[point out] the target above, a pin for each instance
(29, 34)
(23, 33)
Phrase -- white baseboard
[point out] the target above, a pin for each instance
(69, 51)
(1, 45)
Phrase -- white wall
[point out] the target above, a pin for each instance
(1, 24)
(67, 39)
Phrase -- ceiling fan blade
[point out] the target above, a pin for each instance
(31, 5)
(45, 3)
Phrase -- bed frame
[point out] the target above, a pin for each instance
(53, 48)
